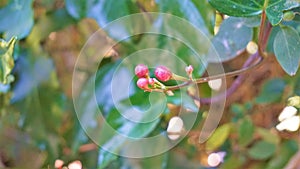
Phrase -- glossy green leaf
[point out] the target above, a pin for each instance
(218, 137)
(243, 8)
(286, 48)
(7, 62)
(231, 39)
(246, 131)
(262, 150)
(272, 91)
(16, 19)
(238, 7)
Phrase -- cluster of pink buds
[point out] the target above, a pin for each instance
(162, 74)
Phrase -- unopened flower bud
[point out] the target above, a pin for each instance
(141, 70)
(189, 69)
(143, 83)
(151, 81)
(163, 74)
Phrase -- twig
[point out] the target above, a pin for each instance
(234, 85)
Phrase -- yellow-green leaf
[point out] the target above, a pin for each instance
(218, 137)
(6, 59)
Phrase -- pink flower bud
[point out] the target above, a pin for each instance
(141, 70)
(189, 69)
(163, 74)
(151, 81)
(143, 83)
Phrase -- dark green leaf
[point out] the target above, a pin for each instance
(218, 137)
(16, 19)
(231, 39)
(243, 8)
(272, 91)
(286, 48)
(246, 131)
(238, 7)
(262, 150)
(7, 62)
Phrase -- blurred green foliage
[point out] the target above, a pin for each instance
(40, 42)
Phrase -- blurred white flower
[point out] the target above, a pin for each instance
(58, 163)
(287, 112)
(215, 84)
(214, 159)
(75, 165)
(175, 128)
(289, 124)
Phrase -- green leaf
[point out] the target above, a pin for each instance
(246, 131)
(272, 91)
(233, 162)
(6, 59)
(268, 136)
(218, 137)
(286, 48)
(262, 150)
(184, 9)
(77, 8)
(16, 18)
(110, 134)
(231, 39)
(284, 154)
(241, 8)
(106, 11)
(105, 158)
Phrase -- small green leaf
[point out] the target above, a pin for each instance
(272, 91)
(6, 59)
(246, 131)
(231, 39)
(286, 48)
(16, 18)
(262, 150)
(218, 137)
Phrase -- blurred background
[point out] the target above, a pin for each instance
(38, 124)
